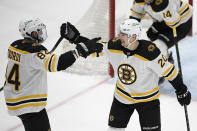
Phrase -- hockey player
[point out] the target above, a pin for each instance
(137, 65)
(172, 20)
(29, 61)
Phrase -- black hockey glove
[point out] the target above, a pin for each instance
(89, 47)
(184, 96)
(69, 32)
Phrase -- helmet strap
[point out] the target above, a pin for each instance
(130, 43)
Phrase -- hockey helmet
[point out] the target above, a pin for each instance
(29, 25)
(130, 27)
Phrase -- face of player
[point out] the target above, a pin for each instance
(129, 43)
(124, 39)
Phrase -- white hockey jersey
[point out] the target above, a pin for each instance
(173, 12)
(25, 89)
(137, 72)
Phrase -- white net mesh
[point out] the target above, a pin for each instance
(95, 23)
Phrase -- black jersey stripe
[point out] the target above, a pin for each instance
(26, 101)
(170, 72)
(137, 98)
(185, 11)
(49, 65)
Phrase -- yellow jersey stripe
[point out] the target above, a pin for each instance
(26, 97)
(47, 62)
(149, 99)
(172, 75)
(124, 96)
(136, 101)
(142, 3)
(145, 93)
(116, 51)
(119, 85)
(94, 55)
(53, 63)
(27, 105)
(140, 57)
(139, 94)
(18, 50)
(167, 71)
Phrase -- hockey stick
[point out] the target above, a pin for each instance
(56, 44)
(180, 71)
(52, 50)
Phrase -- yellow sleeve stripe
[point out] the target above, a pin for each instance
(136, 14)
(168, 70)
(140, 57)
(28, 105)
(26, 97)
(101, 54)
(18, 50)
(183, 8)
(94, 54)
(172, 75)
(174, 22)
(47, 62)
(53, 64)
(187, 13)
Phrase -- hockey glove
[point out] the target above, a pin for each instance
(184, 96)
(89, 47)
(69, 32)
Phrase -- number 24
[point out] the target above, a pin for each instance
(162, 61)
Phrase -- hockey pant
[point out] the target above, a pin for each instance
(37, 121)
(149, 115)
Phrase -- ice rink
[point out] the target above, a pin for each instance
(82, 103)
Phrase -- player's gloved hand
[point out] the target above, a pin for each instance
(69, 32)
(184, 96)
(89, 47)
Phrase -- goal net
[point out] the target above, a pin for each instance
(96, 23)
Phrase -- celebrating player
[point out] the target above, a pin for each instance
(137, 65)
(25, 89)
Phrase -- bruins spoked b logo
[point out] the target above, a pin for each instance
(127, 74)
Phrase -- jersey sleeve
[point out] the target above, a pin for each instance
(45, 60)
(137, 11)
(171, 15)
(164, 68)
(53, 62)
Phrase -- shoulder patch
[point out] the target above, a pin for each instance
(151, 47)
(159, 5)
(148, 50)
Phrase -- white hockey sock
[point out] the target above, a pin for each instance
(115, 129)
(162, 46)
